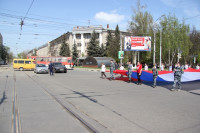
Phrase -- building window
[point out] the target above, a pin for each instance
(78, 44)
(78, 36)
(87, 36)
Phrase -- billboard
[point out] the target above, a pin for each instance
(132, 43)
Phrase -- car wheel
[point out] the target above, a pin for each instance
(21, 68)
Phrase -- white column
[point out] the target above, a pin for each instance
(82, 44)
(74, 37)
(100, 39)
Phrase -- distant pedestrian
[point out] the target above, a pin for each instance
(116, 66)
(146, 67)
(139, 72)
(112, 69)
(170, 67)
(162, 67)
(129, 71)
(103, 70)
(178, 71)
(121, 68)
(197, 67)
(186, 66)
(51, 68)
(155, 75)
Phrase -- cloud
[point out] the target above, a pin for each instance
(190, 8)
(112, 17)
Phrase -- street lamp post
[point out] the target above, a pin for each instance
(160, 46)
(154, 49)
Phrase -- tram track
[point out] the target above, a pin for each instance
(88, 126)
(16, 123)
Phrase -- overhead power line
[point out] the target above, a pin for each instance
(192, 17)
(22, 20)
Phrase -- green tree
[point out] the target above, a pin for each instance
(22, 55)
(175, 39)
(102, 51)
(141, 25)
(195, 39)
(109, 41)
(113, 44)
(74, 53)
(93, 48)
(64, 49)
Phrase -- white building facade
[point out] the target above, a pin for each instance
(80, 36)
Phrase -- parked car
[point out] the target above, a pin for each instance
(58, 67)
(41, 68)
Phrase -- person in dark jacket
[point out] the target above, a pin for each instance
(178, 71)
(112, 68)
(129, 71)
(155, 75)
(51, 68)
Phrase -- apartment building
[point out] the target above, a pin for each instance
(80, 35)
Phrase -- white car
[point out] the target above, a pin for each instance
(41, 68)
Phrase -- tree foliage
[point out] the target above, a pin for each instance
(140, 25)
(94, 49)
(113, 43)
(195, 39)
(64, 49)
(22, 55)
(74, 53)
(175, 39)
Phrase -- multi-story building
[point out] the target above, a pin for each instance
(80, 35)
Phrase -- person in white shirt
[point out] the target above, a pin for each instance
(170, 68)
(121, 68)
(103, 70)
(197, 67)
(162, 67)
(186, 66)
(146, 67)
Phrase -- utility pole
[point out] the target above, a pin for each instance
(160, 46)
(120, 47)
(154, 47)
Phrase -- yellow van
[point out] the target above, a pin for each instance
(22, 64)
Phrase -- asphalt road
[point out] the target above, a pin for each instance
(81, 102)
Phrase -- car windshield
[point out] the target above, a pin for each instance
(41, 65)
(57, 64)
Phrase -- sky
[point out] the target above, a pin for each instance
(45, 20)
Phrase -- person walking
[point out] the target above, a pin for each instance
(103, 70)
(139, 72)
(177, 77)
(112, 68)
(155, 75)
(129, 71)
(51, 68)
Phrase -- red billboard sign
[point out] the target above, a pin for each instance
(137, 43)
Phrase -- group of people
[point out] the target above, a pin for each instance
(178, 71)
(130, 68)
